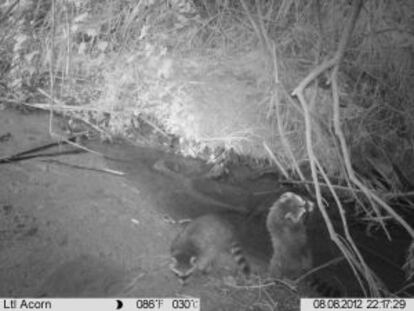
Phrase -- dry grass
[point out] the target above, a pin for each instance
(220, 76)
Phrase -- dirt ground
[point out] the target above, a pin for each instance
(67, 231)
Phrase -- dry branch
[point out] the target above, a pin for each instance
(349, 249)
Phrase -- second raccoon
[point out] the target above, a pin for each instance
(201, 242)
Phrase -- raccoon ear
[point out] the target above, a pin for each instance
(193, 260)
(310, 206)
(173, 261)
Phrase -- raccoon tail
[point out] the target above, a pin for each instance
(238, 255)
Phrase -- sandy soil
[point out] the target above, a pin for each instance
(70, 232)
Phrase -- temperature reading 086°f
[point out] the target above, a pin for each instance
(149, 304)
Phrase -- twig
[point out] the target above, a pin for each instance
(40, 155)
(155, 127)
(398, 194)
(286, 283)
(316, 269)
(357, 5)
(299, 93)
(31, 153)
(314, 74)
(273, 303)
(52, 107)
(274, 158)
(130, 286)
(80, 167)
(267, 45)
(253, 23)
(284, 139)
(52, 66)
(353, 247)
(404, 288)
(341, 137)
(310, 182)
(276, 103)
(4, 15)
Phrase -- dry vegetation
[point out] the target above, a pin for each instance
(321, 85)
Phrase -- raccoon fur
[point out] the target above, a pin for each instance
(201, 242)
(285, 223)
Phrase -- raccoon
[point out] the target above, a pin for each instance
(285, 224)
(201, 242)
